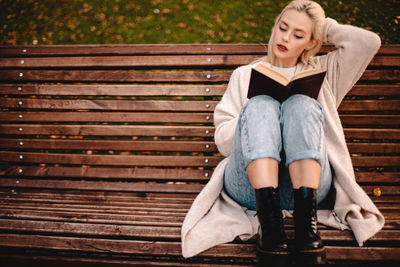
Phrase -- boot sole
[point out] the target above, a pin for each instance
(317, 256)
(266, 258)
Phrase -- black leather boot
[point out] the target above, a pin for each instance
(309, 248)
(272, 247)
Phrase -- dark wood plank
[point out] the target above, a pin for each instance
(374, 147)
(125, 145)
(113, 160)
(161, 89)
(152, 76)
(369, 105)
(369, 119)
(108, 130)
(152, 61)
(174, 248)
(94, 104)
(113, 90)
(119, 75)
(378, 177)
(376, 161)
(136, 117)
(168, 105)
(375, 90)
(102, 186)
(154, 232)
(138, 61)
(372, 133)
(153, 49)
(107, 173)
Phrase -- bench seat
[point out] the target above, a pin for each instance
(103, 148)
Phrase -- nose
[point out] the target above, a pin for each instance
(285, 36)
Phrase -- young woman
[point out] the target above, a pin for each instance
(287, 156)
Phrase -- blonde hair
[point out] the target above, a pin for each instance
(316, 14)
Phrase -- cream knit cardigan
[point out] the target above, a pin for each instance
(215, 219)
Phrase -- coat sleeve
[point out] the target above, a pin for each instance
(355, 49)
(226, 114)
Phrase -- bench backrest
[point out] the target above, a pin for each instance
(140, 117)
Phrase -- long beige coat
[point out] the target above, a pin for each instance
(214, 218)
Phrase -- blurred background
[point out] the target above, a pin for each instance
(173, 21)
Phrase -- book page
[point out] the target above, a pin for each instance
(305, 73)
(273, 74)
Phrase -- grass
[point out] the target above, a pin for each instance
(172, 21)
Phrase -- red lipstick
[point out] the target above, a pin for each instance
(282, 48)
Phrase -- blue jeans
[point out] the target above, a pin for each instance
(264, 126)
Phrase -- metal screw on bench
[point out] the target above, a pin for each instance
(207, 131)
(207, 90)
(20, 116)
(206, 161)
(22, 61)
(21, 157)
(208, 48)
(20, 129)
(19, 102)
(207, 118)
(20, 170)
(208, 59)
(207, 146)
(24, 50)
(208, 76)
(19, 88)
(206, 174)
(21, 74)
(17, 182)
(207, 105)
(21, 143)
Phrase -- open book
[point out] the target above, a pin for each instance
(267, 81)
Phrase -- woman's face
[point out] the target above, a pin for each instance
(291, 36)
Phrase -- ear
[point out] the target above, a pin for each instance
(311, 44)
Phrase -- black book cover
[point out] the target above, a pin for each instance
(261, 84)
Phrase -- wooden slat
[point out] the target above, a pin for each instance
(149, 160)
(171, 233)
(153, 49)
(369, 119)
(152, 220)
(174, 248)
(153, 174)
(376, 161)
(372, 133)
(136, 61)
(374, 147)
(128, 105)
(108, 130)
(369, 105)
(377, 177)
(161, 89)
(126, 145)
(375, 90)
(144, 145)
(136, 187)
(152, 76)
(143, 130)
(103, 186)
(113, 90)
(151, 61)
(117, 75)
(134, 49)
(167, 105)
(107, 173)
(146, 117)
(113, 160)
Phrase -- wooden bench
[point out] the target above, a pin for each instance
(104, 147)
